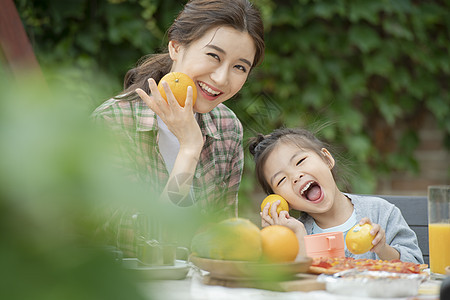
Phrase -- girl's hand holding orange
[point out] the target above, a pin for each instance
(379, 242)
(358, 238)
(281, 218)
(272, 198)
(380, 247)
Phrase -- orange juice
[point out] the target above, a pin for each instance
(439, 241)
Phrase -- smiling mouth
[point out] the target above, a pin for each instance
(311, 191)
(208, 90)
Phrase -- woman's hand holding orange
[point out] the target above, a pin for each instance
(180, 120)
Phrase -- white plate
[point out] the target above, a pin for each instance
(176, 272)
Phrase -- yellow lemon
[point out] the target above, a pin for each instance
(358, 239)
(271, 199)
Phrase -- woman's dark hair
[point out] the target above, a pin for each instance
(262, 145)
(197, 17)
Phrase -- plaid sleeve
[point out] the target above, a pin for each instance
(229, 158)
(235, 169)
(117, 120)
(118, 228)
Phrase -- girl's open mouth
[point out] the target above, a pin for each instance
(311, 191)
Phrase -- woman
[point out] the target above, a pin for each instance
(192, 154)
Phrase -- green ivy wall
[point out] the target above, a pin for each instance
(364, 72)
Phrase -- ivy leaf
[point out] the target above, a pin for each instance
(312, 96)
(364, 37)
(351, 120)
(378, 63)
(431, 13)
(90, 43)
(365, 181)
(365, 10)
(388, 108)
(358, 145)
(326, 9)
(396, 29)
(401, 79)
(439, 105)
(409, 141)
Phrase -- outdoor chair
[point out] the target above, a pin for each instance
(415, 211)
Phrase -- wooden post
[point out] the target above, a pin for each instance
(15, 46)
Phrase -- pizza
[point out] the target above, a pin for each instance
(326, 265)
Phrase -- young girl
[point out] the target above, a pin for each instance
(193, 154)
(296, 165)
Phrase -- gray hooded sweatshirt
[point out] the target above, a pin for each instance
(389, 217)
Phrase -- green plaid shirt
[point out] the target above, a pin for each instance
(219, 170)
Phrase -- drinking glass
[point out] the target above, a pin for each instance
(155, 246)
(439, 227)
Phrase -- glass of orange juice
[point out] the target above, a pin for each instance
(439, 227)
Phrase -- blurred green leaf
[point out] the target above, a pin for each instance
(364, 37)
(365, 10)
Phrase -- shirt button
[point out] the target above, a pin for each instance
(197, 175)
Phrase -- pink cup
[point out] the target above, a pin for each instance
(330, 244)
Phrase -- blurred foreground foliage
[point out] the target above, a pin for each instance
(56, 183)
(371, 70)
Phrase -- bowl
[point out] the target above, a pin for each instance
(231, 269)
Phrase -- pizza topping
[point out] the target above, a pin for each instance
(335, 265)
(324, 264)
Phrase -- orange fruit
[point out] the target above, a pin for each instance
(279, 244)
(271, 199)
(358, 239)
(178, 83)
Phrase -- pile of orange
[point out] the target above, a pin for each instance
(240, 239)
(178, 83)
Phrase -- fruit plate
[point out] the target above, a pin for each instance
(230, 269)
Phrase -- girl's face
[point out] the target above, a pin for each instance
(219, 63)
(302, 177)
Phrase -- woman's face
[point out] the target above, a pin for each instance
(302, 177)
(219, 63)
